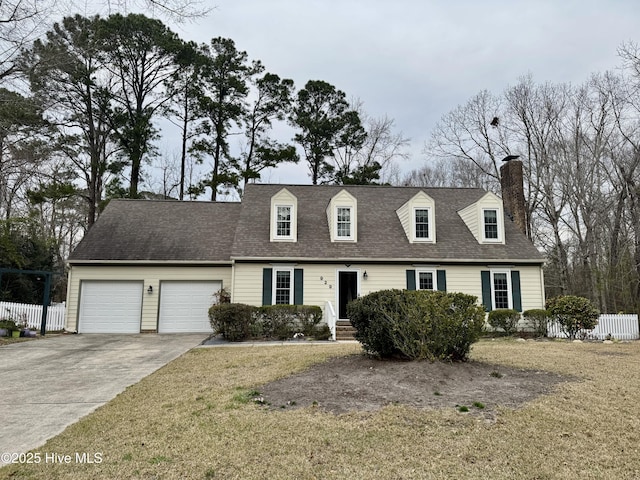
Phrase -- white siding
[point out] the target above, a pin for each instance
(149, 275)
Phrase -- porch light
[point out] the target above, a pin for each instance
(150, 289)
(364, 275)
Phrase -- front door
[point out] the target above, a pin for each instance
(347, 291)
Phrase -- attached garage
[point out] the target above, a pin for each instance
(110, 307)
(184, 306)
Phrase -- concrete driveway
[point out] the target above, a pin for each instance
(53, 382)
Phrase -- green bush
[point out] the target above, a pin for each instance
(369, 314)
(9, 325)
(234, 321)
(237, 322)
(417, 324)
(321, 332)
(537, 319)
(573, 314)
(504, 318)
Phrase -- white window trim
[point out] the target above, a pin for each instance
(351, 236)
(499, 238)
(274, 282)
(509, 289)
(429, 219)
(434, 273)
(289, 237)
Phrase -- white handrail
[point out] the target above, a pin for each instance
(330, 316)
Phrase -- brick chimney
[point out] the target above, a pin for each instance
(511, 181)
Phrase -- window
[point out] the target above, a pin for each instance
(283, 221)
(343, 222)
(426, 280)
(501, 290)
(490, 224)
(421, 217)
(282, 287)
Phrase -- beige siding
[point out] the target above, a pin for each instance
(469, 216)
(151, 276)
(404, 215)
(320, 281)
(466, 279)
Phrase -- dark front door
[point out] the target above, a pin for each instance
(347, 291)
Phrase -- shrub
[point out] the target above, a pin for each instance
(504, 318)
(537, 319)
(234, 321)
(321, 332)
(573, 314)
(368, 316)
(417, 324)
(237, 322)
(283, 321)
(308, 317)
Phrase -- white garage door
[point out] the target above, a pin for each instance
(184, 306)
(110, 307)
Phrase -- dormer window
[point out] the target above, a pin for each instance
(490, 216)
(485, 219)
(284, 225)
(422, 223)
(343, 223)
(417, 217)
(342, 217)
(283, 221)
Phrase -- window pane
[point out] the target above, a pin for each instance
(425, 281)
(344, 222)
(490, 224)
(422, 223)
(283, 287)
(501, 290)
(284, 222)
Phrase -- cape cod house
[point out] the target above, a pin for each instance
(154, 266)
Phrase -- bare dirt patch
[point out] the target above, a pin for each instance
(360, 383)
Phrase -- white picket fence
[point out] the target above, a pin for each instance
(23, 313)
(620, 327)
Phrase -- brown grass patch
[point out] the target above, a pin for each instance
(192, 419)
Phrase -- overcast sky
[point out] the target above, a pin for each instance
(414, 61)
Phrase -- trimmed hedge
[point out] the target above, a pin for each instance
(504, 318)
(573, 314)
(237, 322)
(233, 320)
(537, 319)
(417, 324)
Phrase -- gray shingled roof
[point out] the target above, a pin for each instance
(130, 230)
(380, 233)
(160, 230)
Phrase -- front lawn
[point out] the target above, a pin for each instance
(196, 418)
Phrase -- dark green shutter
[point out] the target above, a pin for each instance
(298, 298)
(267, 275)
(515, 290)
(442, 280)
(485, 278)
(411, 279)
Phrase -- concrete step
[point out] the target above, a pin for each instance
(344, 330)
